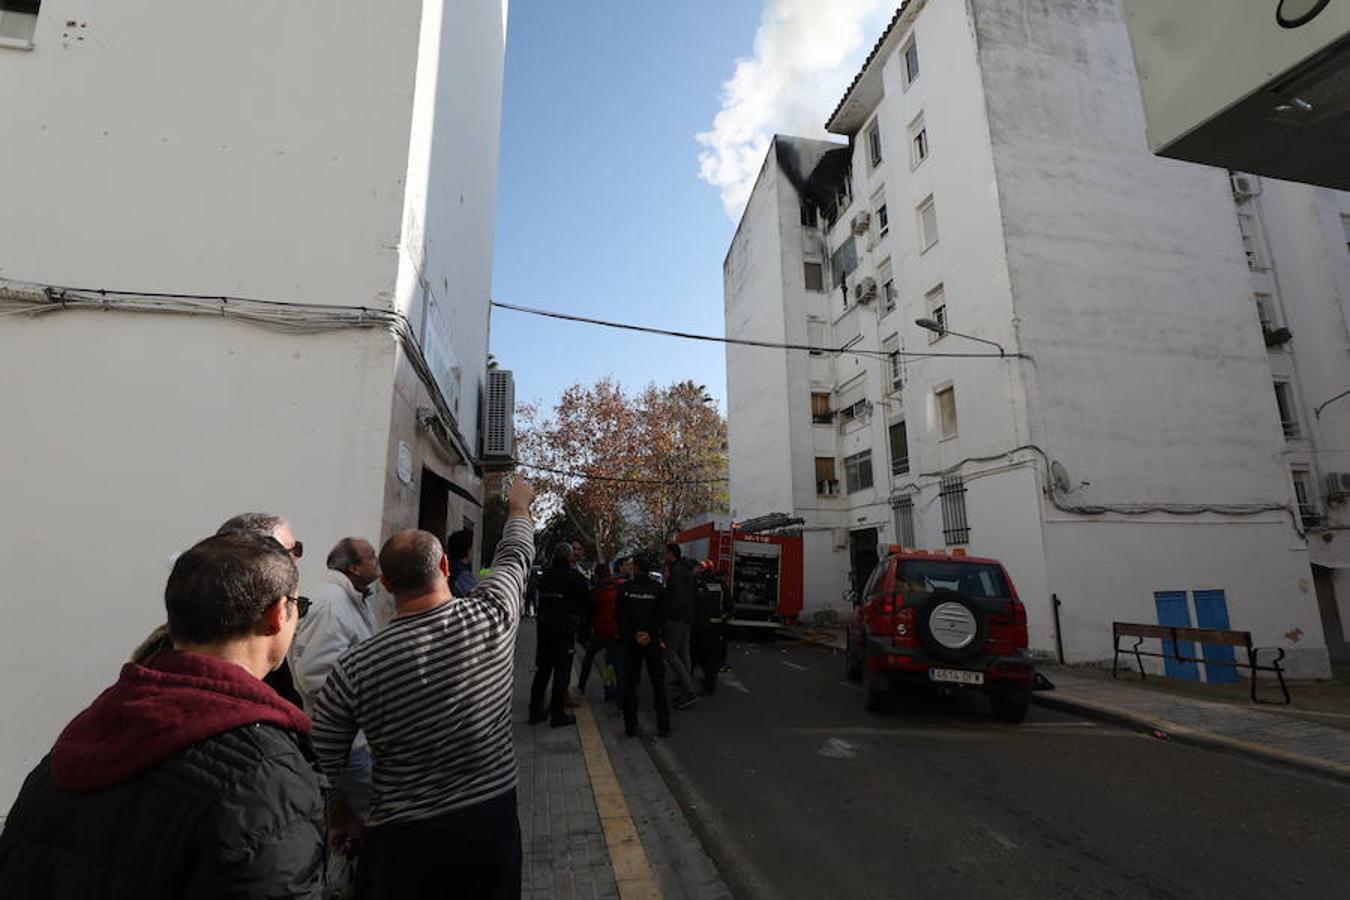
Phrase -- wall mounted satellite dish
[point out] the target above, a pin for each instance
(1059, 477)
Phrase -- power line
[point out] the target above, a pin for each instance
(746, 342)
(621, 480)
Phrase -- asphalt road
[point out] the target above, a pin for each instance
(798, 792)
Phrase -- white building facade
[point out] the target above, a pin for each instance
(1125, 458)
(330, 168)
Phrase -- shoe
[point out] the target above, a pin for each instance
(685, 701)
(562, 721)
(536, 718)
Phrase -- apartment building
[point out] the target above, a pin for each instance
(245, 259)
(1296, 240)
(1089, 396)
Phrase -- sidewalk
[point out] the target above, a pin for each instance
(1312, 734)
(596, 818)
(1284, 735)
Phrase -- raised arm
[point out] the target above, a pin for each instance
(511, 563)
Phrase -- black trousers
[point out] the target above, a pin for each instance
(552, 661)
(634, 658)
(470, 853)
(710, 652)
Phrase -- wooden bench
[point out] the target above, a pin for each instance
(1214, 636)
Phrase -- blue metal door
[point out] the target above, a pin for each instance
(1174, 610)
(1211, 611)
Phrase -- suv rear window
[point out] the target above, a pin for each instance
(979, 580)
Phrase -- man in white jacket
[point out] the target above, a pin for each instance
(345, 611)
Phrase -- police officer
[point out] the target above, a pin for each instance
(642, 611)
(563, 599)
(710, 625)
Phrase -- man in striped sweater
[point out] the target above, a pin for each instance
(432, 692)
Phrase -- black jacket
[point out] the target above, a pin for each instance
(642, 606)
(183, 780)
(680, 589)
(564, 601)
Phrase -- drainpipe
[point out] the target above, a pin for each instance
(1055, 604)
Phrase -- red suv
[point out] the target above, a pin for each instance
(945, 620)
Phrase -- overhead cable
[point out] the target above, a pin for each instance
(745, 342)
(623, 480)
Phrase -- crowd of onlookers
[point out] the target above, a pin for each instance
(353, 742)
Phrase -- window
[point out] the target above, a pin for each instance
(918, 142)
(815, 276)
(1284, 399)
(858, 472)
(946, 409)
(854, 411)
(842, 262)
(911, 57)
(820, 409)
(883, 219)
(809, 215)
(826, 483)
(18, 20)
(1345, 226)
(894, 361)
(1307, 508)
(899, 449)
(1250, 245)
(904, 522)
(815, 335)
(1265, 311)
(955, 527)
(936, 303)
(928, 226)
(888, 295)
(874, 144)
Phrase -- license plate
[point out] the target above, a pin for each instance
(956, 676)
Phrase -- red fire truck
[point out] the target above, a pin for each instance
(763, 570)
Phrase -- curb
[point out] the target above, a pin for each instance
(1184, 734)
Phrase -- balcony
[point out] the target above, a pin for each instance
(828, 488)
(900, 465)
(822, 418)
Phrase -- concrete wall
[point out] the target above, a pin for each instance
(1132, 293)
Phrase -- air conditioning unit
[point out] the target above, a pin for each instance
(1338, 485)
(499, 422)
(866, 290)
(861, 222)
(1244, 187)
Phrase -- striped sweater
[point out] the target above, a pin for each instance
(432, 692)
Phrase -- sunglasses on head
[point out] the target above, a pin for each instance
(296, 550)
(302, 605)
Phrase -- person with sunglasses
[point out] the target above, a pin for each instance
(188, 777)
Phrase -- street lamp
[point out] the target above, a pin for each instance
(939, 329)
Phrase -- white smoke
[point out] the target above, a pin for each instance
(806, 54)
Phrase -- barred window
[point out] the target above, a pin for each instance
(858, 472)
(904, 522)
(955, 527)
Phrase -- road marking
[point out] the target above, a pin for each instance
(793, 665)
(1003, 840)
(731, 681)
(632, 871)
(851, 686)
(837, 748)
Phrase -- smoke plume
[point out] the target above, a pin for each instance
(806, 53)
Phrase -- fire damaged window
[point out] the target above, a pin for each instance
(814, 276)
(18, 20)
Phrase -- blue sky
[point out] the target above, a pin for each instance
(601, 210)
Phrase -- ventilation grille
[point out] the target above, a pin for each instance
(499, 424)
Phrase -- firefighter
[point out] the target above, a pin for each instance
(710, 625)
(642, 611)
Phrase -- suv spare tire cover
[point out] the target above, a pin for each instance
(951, 626)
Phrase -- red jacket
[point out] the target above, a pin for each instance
(604, 619)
